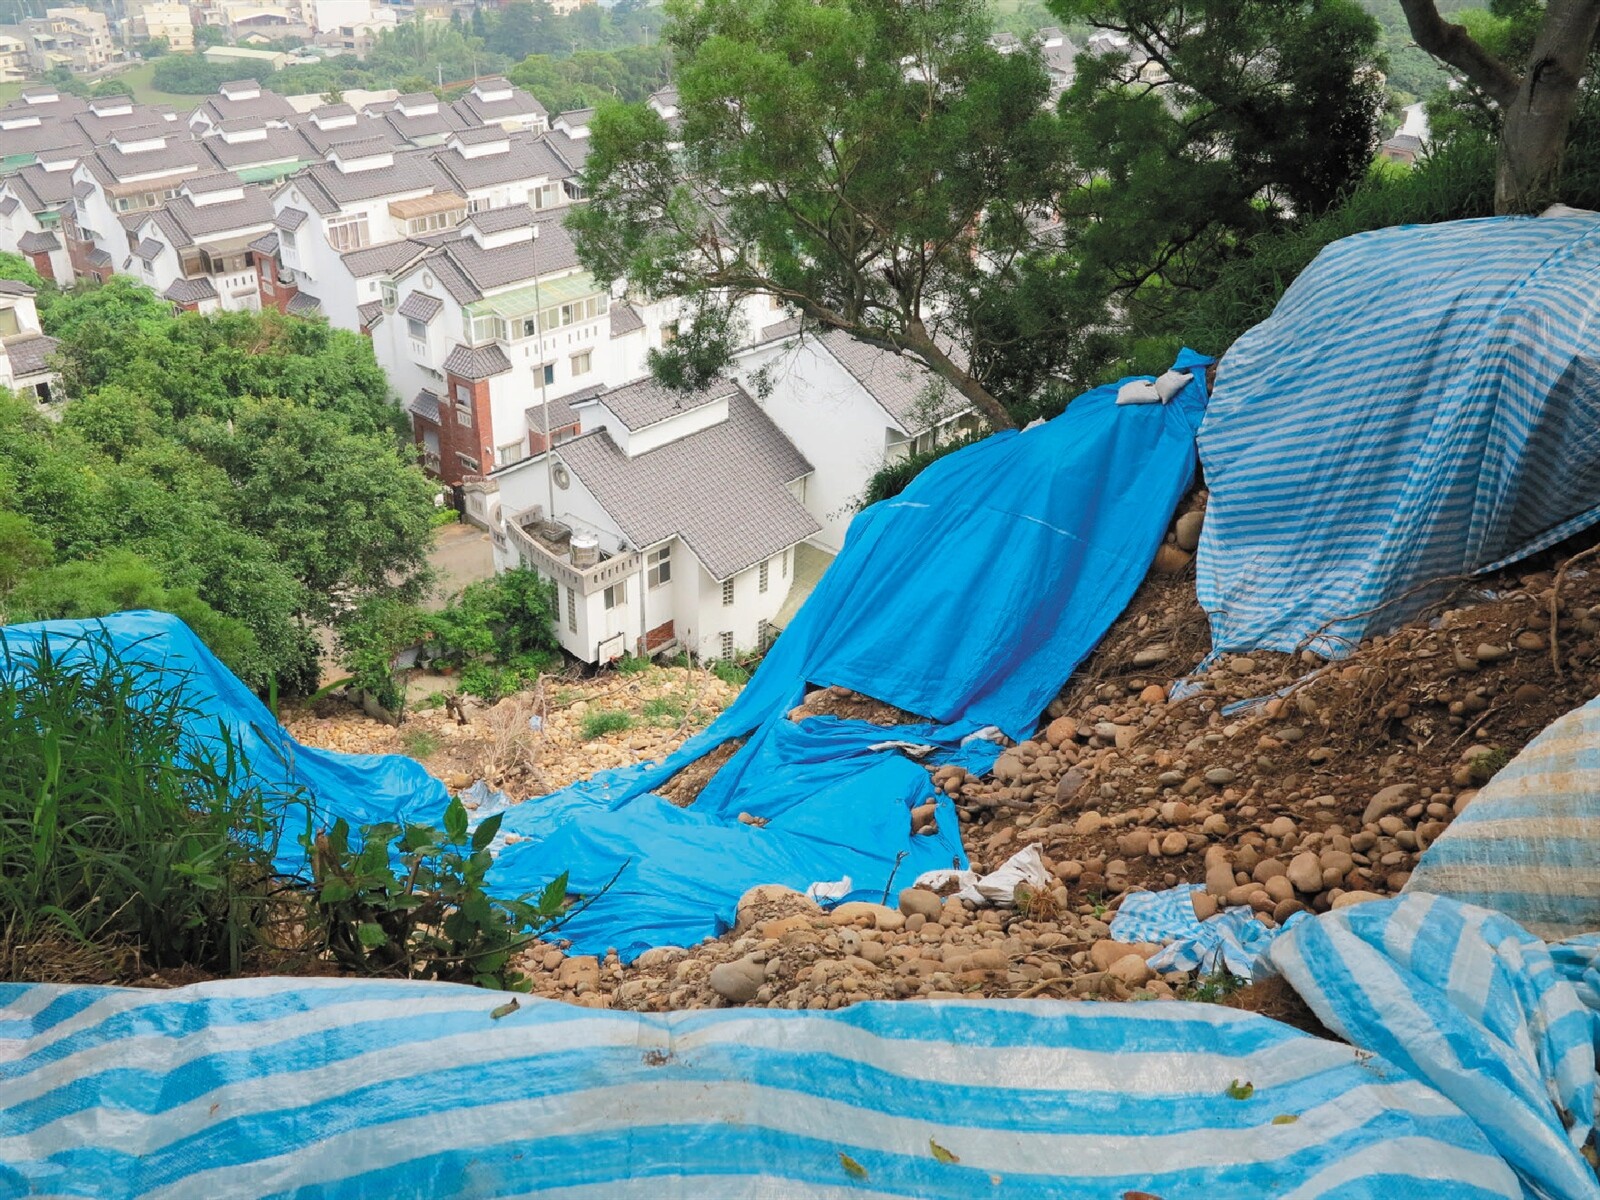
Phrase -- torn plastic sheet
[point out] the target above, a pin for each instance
(1231, 940)
(1025, 868)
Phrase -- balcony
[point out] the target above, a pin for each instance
(546, 546)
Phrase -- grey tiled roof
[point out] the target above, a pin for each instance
(624, 319)
(38, 243)
(480, 362)
(498, 220)
(216, 181)
(8, 206)
(267, 243)
(487, 112)
(914, 396)
(723, 490)
(563, 411)
(97, 258)
(643, 403)
(289, 219)
(578, 116)
(370, 313)
(40, 189)
(83, 189)
(783, 329)
(222, 216)
(420, 306)
(329, 189)
(572, 151)
(189, 291)
(382, 259)
(303, 305)
(15, 287)
(425, 404)
(526, 157)
(468, 270)
(30, 353)
(279, 146)
(148, 250)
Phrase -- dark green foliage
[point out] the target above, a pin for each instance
(369, 640)
(243, 471)
(115, 830)
(894, 478)
(600, 722)
(196, 75)
(588, 77)
(410, 902)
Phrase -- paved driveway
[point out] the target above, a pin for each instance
(461, 555)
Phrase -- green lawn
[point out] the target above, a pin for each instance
(10, 91)
(138, 78)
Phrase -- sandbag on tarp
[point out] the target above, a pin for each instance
(1473, 1004)
(1423, 402)
(1528, 845)
(362, 788)
(340, 1088)
(968, 600)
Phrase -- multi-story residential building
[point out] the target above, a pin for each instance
(669, 521)
(496, 168)
(851, 408)
(241, 99)
(14, 64)
(419, 119)
(76, 38)
(39, 119)
(141, 168)
(162, 20)
(196, 250)
(26, 354)
(31, 202)
(258, 151)
(495, 101)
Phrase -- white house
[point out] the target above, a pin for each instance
(25, 352)
(675, 521)
(196, 249)
(850, 408)
(494, 101)
(31, 201)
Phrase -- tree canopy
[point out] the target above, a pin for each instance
(241, 470)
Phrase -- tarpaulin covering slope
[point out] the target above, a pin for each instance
(362, 788)
(968, 599)
(1423, 402)
(1471, 1003)
(1529, 844)
(339, 1088)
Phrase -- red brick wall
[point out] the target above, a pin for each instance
(474, 439)
(536, 437)
(41, 264)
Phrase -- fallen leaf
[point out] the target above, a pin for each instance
(506, 1009)
(1241, 1091)
(941, 1154)
(1140, 1196)
(1285, 1119)
(851, 1167)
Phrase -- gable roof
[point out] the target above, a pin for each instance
(480, 362)
(526, 157)
(723, 490)
(383, 259)
(909, 392)
(30, 353)
(645, 402)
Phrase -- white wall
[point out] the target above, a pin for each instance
(831, 420)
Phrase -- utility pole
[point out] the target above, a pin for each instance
(544, 398)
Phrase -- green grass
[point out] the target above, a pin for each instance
(420, 743)
(118, 831)
(664, 710)
(10, 91)
(598, 724)
(146, 92)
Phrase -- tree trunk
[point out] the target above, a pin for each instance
(920, 343)
(1535, 124)
(1537, 107)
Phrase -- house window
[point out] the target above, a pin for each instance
(617, 594)
(509, 453)
(727, 645)
(348, 233)
(417, 329)
(924, 443)
(572, 610)
(391, 296)
(9, 323)
(765, 636)
(727, 591)
(528, 327)
(487, 329)
(581, 362)
(761, 577)
(468, 462)
(660, 566)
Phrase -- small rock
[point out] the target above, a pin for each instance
(1487, 653)
(1187, 531)
(1390, 799)
(1170, 560)
(738, 982)
(1349, 898)
(914, 900)
(1242, 665)
(1151, 655)
(1204, 904)
(1221, 776)
(1529, 640)
(1174, 844)
(1305, 872)
(1131, 970)
(1153, 694)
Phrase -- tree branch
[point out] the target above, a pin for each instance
(1451, 43)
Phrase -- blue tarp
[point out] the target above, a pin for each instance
(362, 788)
(1423, 402)
(968, 600)
(345, 1088)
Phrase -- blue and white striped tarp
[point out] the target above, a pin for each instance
(358, 1089)
(1529, 844)
(1423, 402)
(1472, 1003)
(1232, 940)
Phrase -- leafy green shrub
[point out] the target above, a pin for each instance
(370, 639)
(116, 829)
(410, 902)
(632, 664)
(598, 724)
(664, 710)
(894, 478)
(731, 673)
(420, 743)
